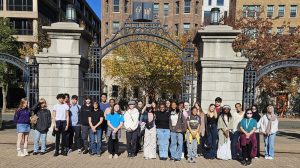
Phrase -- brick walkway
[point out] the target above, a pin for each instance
(287, 156)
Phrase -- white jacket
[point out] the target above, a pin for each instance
(131, 119)
(264, 123)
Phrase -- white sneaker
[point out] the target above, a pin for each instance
(20, 153)
(266, 157)
(182, 156)
(79, 151)
(116, 156)
(110, 156)
(271, 158)
(69, 151)
(25, 152)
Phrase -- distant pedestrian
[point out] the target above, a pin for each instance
(269, 128)
(95, 121)
(22, 119)
(42, 126)
(115, 122)
(248, 138)
(131, 122)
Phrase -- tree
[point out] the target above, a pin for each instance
(149, 66)
(8, 45)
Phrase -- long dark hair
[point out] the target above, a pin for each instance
(87, 97)
(113, 109)
(228, 114)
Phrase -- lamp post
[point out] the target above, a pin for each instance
(27, 76)
(215, 16)
(71, 13)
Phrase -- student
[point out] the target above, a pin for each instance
(107, 111)
(74, 121)
(69, 133)
(225, 126)
(211, 133)
(60, 118)
(185, 111)
(237, 118)
(168, 105)
(269, 128)
(42, 126)
(178, 127)
(103, 103)
(22, 119)
(162, 131)
(218, 103)
(257, 117)
(95, 121)
(193, 137)
(202, 116)
(141, 128)
(131, 122)
(85, 111)
(248, 138)
(150, 134)
(115, 122)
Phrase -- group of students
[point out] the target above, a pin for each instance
(170, 129)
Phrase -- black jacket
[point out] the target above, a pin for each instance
(44, 120)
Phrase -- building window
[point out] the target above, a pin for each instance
(115, 91)
(116, 6)
(22, 26)
(270, 11)
(1, 4)
(209, 2)
(176, 29)
(293, 11)
(292, 30)
(156, 9)
(196, 7)
(166, 9)
(177, 7)
(126, 6)
(107, 6)
(187, 6)
(220, 2)
(116, 27)
(106, 28)
(281, 10)
(206, 20)
(280, 30)
(251, 10)
(19, 5)
(186, 27)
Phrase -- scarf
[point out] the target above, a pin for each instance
(271, 117)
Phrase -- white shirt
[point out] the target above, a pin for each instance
(174, 119)
(264, 123)
(237, 118)
(60, 110)
(131, 119)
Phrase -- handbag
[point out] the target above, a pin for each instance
(34, 119)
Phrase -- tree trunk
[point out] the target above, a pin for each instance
(4, 104)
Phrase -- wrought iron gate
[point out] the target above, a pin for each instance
(152, 32)
(30, 75)
(253, 76)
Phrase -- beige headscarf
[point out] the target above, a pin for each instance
(271, 117)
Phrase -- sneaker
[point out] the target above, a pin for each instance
(182, 155)
(110, 156)
(248, 163)
(172, 158)
(193, 160)
(146, 158)
(20, 153)
(271, 158)
(25, 152)
(190, 160)
(266, 157)
(177, 160)
(69, 151)
(243, 162)
(79, 151)
(42, 153)
(56, 154)
(34, 153)
(116, 156)
(65, 153)
(85, 151)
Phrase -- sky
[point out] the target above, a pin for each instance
(96, 6)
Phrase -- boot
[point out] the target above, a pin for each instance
(20, 153)
(25, 152)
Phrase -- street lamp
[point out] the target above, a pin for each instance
(215, 16)
(26, 76)
(27, 59)
(70, 13)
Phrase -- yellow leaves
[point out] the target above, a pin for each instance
(26, 50)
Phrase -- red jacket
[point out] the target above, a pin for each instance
(243, 142)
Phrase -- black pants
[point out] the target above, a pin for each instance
(131, 138)
(258, 145)
(85, 134)
(246, 152)
(61, 126)
(76, 136)
(113, 145)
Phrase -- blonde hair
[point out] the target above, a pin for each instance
(22, 102)
(214, 112)
(270, 106)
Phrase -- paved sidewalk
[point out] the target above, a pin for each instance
(287, 155)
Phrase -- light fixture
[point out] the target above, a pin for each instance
(215, 16)
(70, 13)
(27, 59)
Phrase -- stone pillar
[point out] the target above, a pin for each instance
(63, 64)
(220, 69)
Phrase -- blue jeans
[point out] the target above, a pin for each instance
(37, 137)
(176, 145)
(269, 145)
(95, 141)
(163, 137)
(234, 141)
(192, 149)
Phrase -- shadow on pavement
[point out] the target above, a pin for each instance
(289, 135)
